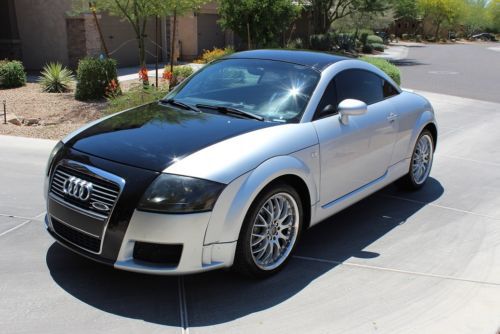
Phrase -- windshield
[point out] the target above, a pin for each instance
(275, 90)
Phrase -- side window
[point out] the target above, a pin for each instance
(329, 98)
(360, 85)
(389, 90)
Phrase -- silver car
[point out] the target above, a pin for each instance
(233, 165)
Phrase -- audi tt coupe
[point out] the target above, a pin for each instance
(232, 166)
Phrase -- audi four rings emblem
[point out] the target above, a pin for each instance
(77, 188)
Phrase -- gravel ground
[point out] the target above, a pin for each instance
(59, 113)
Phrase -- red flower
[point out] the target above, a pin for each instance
(143, 75)
(167, 75)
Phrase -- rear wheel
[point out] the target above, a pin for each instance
(270, 231)
(421, 162)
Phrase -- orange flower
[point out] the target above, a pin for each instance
(167, 75)
(143, 75)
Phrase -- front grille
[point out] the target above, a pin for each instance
(74, 236)
(103, 194)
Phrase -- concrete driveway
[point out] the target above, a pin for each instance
(397, 262)
(468, 70)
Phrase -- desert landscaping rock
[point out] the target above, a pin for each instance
(13, 119)
(31, 121)
(60, 112)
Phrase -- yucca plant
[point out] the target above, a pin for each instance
(55, 78)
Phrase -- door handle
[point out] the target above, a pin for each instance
(392, 117)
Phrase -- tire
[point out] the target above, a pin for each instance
(417, 176)
(264, 229)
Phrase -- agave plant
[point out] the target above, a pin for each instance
(55, 78)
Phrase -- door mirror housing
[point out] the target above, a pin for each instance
(351, 107)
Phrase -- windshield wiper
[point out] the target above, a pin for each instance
(232, 111)
(180, 104)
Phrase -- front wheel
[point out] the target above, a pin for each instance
(421, 162)
(270, 231)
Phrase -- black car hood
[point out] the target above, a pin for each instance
(154, 135)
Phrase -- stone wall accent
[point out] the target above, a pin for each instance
(83, 38)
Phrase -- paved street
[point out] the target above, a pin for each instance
(468, 70)
(398, 262)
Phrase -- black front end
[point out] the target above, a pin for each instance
(93, 226)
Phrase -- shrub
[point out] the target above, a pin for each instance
(55, 78)
(345, 42)
(136, 96)
(385, 66)
(216, 53)
(321, 42)
(295, 44)
(378, 47)
(405, 36)
(182, 72)
(93, 77)
(367, 48)
(12, 74)
(363, 38)
(374, 39)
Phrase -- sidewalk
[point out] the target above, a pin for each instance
(132, 73)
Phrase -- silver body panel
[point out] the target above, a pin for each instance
(339, 163)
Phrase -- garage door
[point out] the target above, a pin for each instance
(210, 34)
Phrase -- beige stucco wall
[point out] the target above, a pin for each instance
(187, 34)
(121, 42)
(42, 30)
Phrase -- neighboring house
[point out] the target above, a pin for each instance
(38, 32)
(407, 26)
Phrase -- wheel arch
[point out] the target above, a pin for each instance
(432, 128)
(232, 207)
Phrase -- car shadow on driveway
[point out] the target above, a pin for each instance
(222, 296)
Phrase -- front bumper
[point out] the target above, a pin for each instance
(187, 230)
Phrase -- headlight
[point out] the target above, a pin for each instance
(52, 155)
(180, 194)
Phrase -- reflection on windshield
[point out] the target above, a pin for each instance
(277, 91)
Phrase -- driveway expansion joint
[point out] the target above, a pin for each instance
(400, 271)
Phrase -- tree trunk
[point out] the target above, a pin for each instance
(142, 50)
(172, 44)
(436, 36)
(249, 40)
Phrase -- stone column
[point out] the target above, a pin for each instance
(83, 38)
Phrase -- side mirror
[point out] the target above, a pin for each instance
(351, 107)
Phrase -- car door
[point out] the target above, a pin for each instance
(354, 154)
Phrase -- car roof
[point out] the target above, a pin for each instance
(317, 60)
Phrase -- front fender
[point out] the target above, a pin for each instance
(231, 207)
(426, 118)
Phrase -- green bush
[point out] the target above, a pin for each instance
(12, 74)
(367, 48)
(93, 77)
(55, 78)
(363, 38)
(321, 42)
(136, 96)
(378, 47)
(385, 66)
(295, 44)
(345, 41)
(182, 72)
(374, 39)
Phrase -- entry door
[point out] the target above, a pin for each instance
(355, 154)
(210, 34)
